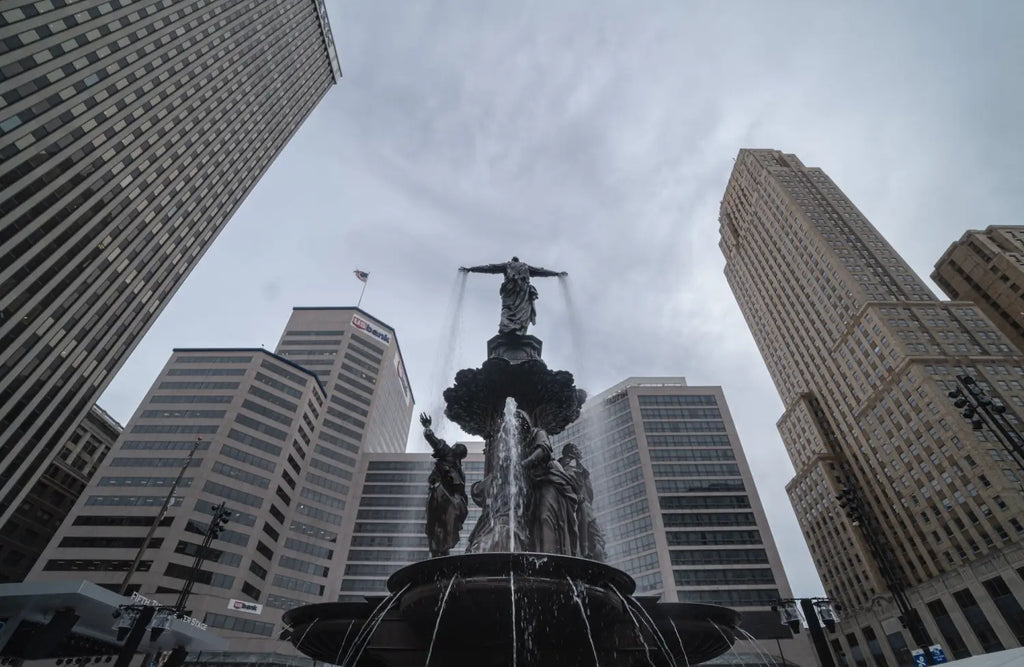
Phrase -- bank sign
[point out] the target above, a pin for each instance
(376, 332)
(247, 607)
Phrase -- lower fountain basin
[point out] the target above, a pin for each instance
(461, 611)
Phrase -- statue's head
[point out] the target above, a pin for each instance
(515, 259)
(523, 420)
(460, 450)
(571, 451)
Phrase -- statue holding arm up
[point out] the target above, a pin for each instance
(517, 294)
(447, 505)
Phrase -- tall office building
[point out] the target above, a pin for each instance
(130, 131)
(863, 355)
(279, 447)
(359, 361)
(680, 512)
(987, 267)
(51, 497)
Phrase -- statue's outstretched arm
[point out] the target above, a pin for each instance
(432, 439)
(484, 268)
(538, 272)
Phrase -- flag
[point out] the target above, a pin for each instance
(362, 275)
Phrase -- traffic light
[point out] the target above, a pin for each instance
(848, 501)
(221, 516)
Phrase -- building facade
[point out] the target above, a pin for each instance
(987, 267)
(129, 134)
(679, 509)
(359, 362)
(279, 445)
(387, 530)
(51, 497)
(863, 356)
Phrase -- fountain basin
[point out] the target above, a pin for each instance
(477, 624)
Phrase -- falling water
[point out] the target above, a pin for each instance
(512, 588)
(449, 346)
(680, 640)
(732, 645)
(583, 614)
(341, 646)
(761, 653)
(437, 624)
(369, 627)
(649, 622)
(308, 628)
(509, 489)
(575, 331)
(636, 624)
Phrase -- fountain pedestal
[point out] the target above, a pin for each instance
(514, 348)
(460, 610)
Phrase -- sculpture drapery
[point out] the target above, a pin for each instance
(517, 294)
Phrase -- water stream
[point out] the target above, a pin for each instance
(761, 653)
(512, 588)
(636, 625)
(341, 646)
(449, 346)
(506, 487)
(586, 622)
(365, 633)
(576, 337)
(658, 637)
(437, 624)
(308, 628)
(732, 646)
(682, 647)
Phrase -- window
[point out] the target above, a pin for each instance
(238, 624)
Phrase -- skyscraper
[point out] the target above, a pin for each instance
(48, 501)
(987, 267)
(279, 446)
(863, 356)
(678, 506)
(129, 134)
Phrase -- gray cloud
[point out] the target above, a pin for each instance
(598, 138)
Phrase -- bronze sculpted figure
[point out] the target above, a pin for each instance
(591, 537)
(447, 505)
(517, 294)
(553, 498)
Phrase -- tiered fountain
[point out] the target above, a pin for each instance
(529, 590)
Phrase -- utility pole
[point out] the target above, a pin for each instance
(158, 518)
(221, 515)
(858, 512)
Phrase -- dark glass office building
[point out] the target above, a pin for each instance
(129, 133)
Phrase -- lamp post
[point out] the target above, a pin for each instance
(221, 515)
(980, 410)
(134, 619)
(881, 551)
(158, 518)
(817, 612)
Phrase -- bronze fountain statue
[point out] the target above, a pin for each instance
(531, 588)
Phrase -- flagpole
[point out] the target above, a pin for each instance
(363, 291)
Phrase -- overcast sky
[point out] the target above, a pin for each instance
(597, 138)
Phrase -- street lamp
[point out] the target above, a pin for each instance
(980, 410)
(816, 611)
(881, 551)
(220, 518)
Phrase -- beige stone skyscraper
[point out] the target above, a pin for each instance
(987, 267)
(863, 355)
